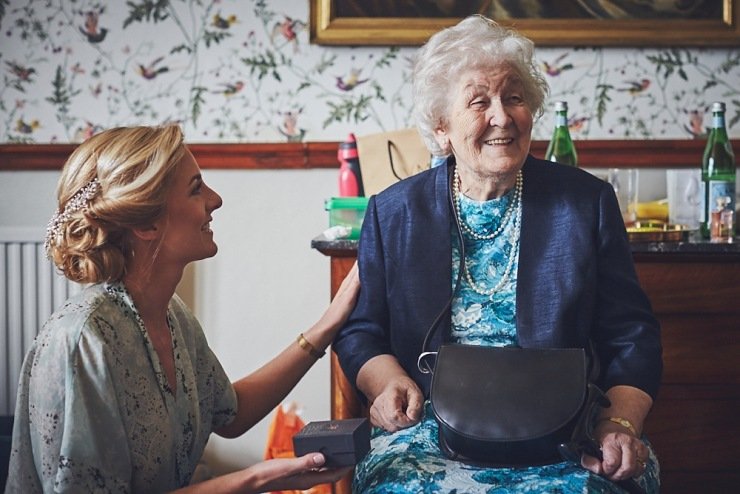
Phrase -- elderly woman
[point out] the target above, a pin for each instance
(120, 391)
(547, 264)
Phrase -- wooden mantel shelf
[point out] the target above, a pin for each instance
(663, 153)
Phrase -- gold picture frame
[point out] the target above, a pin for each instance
(329, 29)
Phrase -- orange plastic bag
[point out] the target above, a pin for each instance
(285, 424)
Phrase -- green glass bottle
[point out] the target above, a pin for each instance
(561, 147)
(717, 170)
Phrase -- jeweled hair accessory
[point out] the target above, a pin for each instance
(77, 202)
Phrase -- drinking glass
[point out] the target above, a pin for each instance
(625, 183)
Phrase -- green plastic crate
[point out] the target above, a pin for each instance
(347, 211)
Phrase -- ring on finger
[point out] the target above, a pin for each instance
(642, 463)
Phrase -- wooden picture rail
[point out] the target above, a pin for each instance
(663, 153)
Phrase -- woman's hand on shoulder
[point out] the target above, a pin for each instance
(624, 455)
(343, 302)
(398, 406)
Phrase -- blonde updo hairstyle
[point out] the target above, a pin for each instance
(134, 166)
(476, 42)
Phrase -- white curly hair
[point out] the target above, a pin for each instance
(475, 42)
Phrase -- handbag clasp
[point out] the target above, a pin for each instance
(424, 367)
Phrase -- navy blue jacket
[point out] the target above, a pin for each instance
(576, 278)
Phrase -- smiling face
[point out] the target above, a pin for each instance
(186, 233)
(488, 126)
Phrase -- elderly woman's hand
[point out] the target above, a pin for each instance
(625, 456)
(396, 400)
(398, 406)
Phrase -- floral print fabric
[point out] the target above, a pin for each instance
(410, 461)
(485, 319)
(94, 410)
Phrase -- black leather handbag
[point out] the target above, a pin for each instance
(514, 406)
(511, 406)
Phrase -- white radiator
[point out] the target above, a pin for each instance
(30, 290)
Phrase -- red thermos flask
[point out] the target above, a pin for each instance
(350, 177)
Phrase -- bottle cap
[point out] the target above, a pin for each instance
(561, 106)
(718, 106)
(348, 149)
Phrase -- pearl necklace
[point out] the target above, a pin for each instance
(516, 205)
(507, 214)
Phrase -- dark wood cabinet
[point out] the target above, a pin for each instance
(695, 422)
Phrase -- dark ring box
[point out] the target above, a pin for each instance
(343, 442)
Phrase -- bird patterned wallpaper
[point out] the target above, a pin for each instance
(244, 71)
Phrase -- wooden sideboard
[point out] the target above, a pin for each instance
(695, 422)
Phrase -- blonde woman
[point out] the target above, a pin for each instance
(120, 391)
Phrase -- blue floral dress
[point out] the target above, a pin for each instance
(410, 461)
(95, 412)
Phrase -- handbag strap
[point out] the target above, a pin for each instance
(422, 362)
